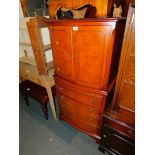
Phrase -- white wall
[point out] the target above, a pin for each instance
(46, 40)
(20, 11)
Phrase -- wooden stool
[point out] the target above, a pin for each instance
(37, 92)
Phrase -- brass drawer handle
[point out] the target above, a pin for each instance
(58, 68)
(90, 119)
(91, 110)
(61, 88)
(91, 101)
(27, 71)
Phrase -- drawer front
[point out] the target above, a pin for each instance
(87, 127)
(120, 127)
(90, 120)
(116, 143)
(80, 95)
(66, 105)
(68, 116)
(80, 124)
(83, 109)
(80, 114)
(78, 108)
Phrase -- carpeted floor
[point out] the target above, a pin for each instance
(48, 137)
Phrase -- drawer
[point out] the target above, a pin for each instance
(90, 120)
(83, 109)
(80, 124)
(66, 105)
(87, 127)
(119, 126)
(68, 116)
(80, 95)
(78, 108)
(71, 108)
(116, 143)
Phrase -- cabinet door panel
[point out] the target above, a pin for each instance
(61, 49)
(91, 47)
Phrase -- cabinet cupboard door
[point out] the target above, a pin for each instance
(90, 46)
(61, 49)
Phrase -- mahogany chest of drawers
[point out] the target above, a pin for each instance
(85, 54)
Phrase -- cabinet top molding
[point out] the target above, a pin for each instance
(41, 19)
(86, 20)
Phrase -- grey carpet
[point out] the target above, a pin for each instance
(38, 136)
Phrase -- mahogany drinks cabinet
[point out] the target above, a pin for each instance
(86, 56)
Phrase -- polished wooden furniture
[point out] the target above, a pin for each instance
(116, 137)
(32, 64)
(101, 6)
(120, 114)
(28, 88)
(85, 56)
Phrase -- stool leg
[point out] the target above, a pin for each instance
(54, 102)
(44, 109)
(25, 96)
(53, 99)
